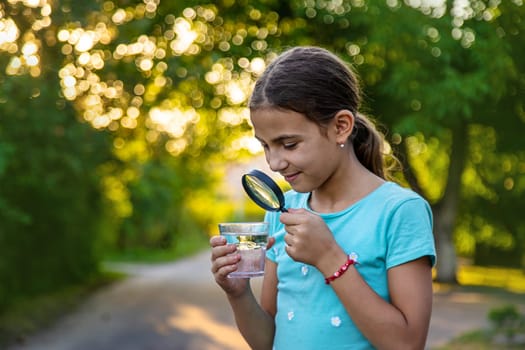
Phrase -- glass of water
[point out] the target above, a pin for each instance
(251, 239)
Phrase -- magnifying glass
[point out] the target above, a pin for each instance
(263, 191)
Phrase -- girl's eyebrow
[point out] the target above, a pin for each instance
(279, 138)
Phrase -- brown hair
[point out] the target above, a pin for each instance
(316, 83)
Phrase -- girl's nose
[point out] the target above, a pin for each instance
(275, 161)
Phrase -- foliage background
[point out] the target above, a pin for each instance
(119, 119)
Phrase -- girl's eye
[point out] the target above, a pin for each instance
(290, 145)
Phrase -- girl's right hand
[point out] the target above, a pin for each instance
(224, 259)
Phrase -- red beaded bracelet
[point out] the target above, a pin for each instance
(341, 270)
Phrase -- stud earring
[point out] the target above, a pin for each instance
(342, 145)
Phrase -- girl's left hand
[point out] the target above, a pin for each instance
(308, 239)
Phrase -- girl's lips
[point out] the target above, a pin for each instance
(291, 178)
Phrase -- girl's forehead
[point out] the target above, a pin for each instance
(278, 116)
(273, 123)
(265, 111)
(275, 119)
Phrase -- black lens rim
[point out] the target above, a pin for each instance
(272, 185)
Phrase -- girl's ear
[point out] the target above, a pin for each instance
(344, 124)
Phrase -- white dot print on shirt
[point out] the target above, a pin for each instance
(304, 270)
(290, 315)
(335, 321)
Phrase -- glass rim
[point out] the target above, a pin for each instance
(244, 227)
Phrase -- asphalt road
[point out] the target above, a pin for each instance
(177, 306)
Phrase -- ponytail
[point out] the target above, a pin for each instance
(369, 144)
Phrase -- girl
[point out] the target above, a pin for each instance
(349, 265)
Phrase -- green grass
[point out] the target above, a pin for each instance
(477, 340)
(188, 246)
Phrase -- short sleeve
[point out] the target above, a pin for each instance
(272, 219)
(410, 233)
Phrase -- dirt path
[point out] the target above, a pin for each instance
(178, 306)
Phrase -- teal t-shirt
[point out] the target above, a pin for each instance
(390, 226)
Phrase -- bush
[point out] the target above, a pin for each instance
(507, 321)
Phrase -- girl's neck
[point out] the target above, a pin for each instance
(345, 187)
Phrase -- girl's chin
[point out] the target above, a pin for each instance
(299, 184)
(300, 189)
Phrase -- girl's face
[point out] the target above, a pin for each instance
(297, 148)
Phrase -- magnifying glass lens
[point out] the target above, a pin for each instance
(263, 191)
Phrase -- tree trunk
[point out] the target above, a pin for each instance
(447, 262)
(446, 210)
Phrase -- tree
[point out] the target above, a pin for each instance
(48, 179)
(157, 91)
(474, 85)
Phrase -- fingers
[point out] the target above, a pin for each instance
(223, 258)
(295, 211)
(294, 216)
(219, 247)
(217, 240)
(271, 242)
(291, 251)
(288, 239)
(290, 246)
(223, 266)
